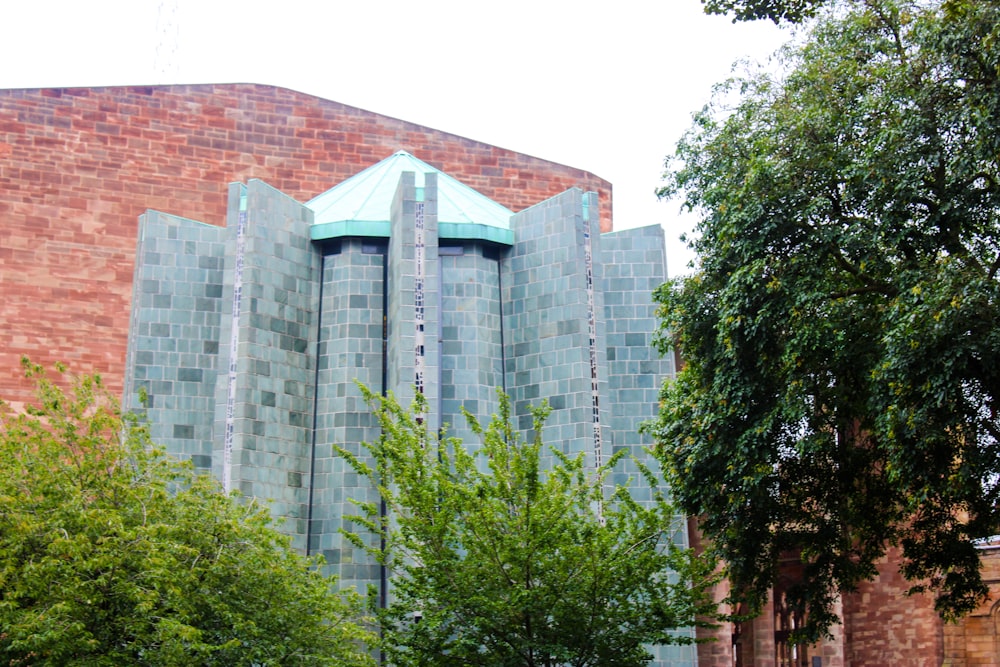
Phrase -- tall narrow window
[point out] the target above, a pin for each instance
(419, 361)
(786, 621)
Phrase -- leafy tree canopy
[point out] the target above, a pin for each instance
(499, 559)
(113, 554)
(842, 327)
(792, 11)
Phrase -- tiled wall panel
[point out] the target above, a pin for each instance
(266, 395)
(634, 264)
(546, 312)
(174, 332)
(471, 336)
(350, 351)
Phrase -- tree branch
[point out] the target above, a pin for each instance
(871, 285)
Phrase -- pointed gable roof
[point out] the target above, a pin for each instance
(360, 205)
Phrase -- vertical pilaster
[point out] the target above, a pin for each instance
(413, 362)
(832, 651)
(264, 418)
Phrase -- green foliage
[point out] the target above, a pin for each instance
(499, 560)
(113, 554)
(842, 329)
(792, 11)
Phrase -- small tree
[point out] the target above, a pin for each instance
(112, 553)
(496, 560)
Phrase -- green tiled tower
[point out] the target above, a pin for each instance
(249, 339)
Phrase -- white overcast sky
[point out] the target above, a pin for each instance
(605, 86)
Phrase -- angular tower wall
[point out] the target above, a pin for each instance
(548, 308)
(174, 332)
(266, 386)
(472, 335)
(352, 333)
(634, 264)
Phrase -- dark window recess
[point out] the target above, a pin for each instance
(333, 247)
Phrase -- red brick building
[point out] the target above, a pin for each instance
(78, 166)
(881, 626)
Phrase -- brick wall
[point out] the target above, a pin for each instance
(716, 644)
(884, 626)
(78, 166)
(975, 640)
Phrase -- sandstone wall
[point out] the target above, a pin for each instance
(975, 640)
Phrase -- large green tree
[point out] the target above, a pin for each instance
(498, 559)
(113, 554)
(841, 327)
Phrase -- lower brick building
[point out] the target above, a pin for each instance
(881, 626)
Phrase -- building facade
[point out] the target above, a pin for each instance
(79, 166)
(249, 341)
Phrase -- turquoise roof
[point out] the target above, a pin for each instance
(360, 205)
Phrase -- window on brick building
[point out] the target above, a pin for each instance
(739, 636)
(786, 621)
